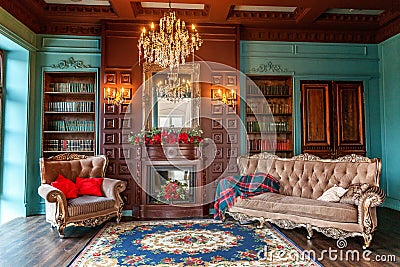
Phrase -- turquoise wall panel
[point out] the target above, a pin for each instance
(319, 61)
(15, 132)
(52, 49)
(390, 93)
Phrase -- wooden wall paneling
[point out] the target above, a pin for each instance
(316, 119)
(350, 118)
(332, 118)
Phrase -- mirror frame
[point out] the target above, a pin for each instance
(147, 96)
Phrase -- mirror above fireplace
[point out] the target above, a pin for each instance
(171, 98)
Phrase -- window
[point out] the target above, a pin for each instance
(1, 96)
(1, 93)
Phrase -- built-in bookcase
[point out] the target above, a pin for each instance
(69, 113)
(272, 117)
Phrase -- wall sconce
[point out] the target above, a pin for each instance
(225, 95)
(115, 96)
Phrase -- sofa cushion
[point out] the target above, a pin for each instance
(304, 207)
(353, 194)
(88, 204)
(333, 194)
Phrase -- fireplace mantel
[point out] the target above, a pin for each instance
(158, 162)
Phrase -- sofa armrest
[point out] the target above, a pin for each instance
(52, 194)
(112, 187)
(372, 197)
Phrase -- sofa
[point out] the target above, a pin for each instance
(303, 179)
(82, 210)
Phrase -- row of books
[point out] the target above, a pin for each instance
(68, 145)
(268, 145)
(275, 108)
(72, 87)
(80, 126)
(267, 126)
(79, 106)
(276, 90)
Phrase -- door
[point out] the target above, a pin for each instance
(332, 118)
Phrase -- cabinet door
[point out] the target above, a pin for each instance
(349, 126)
(316, 119)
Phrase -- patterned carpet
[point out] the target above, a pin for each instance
(190, 243)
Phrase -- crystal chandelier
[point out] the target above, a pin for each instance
(174, 88)
(171, 45)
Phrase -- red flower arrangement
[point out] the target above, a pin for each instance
(166, 136)
(172, 190)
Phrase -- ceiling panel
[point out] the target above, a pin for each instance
(79, 2)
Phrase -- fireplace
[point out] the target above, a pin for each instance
(181, 173)
(171, 184)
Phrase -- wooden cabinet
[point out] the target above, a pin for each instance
(269, 118)
(332, 118)
(69, 113)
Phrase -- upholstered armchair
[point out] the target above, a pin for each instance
(83, 210)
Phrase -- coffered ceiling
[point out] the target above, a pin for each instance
(366, 21)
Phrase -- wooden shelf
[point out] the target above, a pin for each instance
(68, 151)
(68, 132)
(69, 93)
(68, 112)
(288, 132)
(274, 94)
(277, 150)
(269, 114)
(269, 96)
(75, 94)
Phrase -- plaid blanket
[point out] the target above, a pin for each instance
(243, 186)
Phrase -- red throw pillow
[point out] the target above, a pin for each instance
(89, 186)
(66, 186)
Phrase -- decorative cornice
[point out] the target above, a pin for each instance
(71, 62)
(92, 29)
(262, 15)
(268, 67)
(159, 12)
(354, 18)
(293, 35)
(94, 10)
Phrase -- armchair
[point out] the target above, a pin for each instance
(85, 210)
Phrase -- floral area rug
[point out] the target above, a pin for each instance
(190, 243)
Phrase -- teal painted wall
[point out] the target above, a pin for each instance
(14, 156)
(51, 50)
(320, 61)
(389, 52)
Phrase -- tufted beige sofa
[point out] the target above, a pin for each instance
(303, 179)
(84, 210)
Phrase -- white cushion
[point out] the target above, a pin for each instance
(333, 194)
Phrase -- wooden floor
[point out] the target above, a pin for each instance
(31, 242)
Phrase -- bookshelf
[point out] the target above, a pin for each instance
(69, 113)
(264, 119)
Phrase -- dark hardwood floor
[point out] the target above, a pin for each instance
(31, 242)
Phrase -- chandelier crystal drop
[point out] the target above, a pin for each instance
(171, 45)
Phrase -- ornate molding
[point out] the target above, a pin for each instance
(332, 232)
(306, 156)
(68, 156)
(268, 67)
(69, 63)
(353, 158)
(291, 35)
(266, 155)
